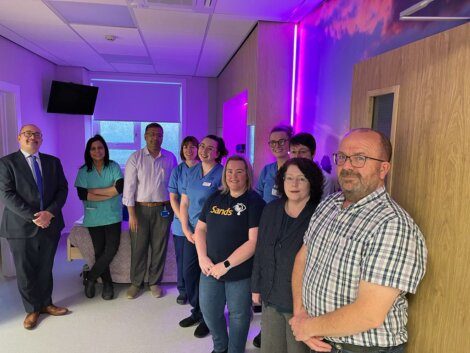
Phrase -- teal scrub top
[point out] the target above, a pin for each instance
(100, 213)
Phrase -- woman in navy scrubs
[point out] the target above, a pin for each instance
(199, 182)
(188, 154)
(226, 236)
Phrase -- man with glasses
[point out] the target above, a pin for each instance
(362, 254)
(303, 145)
(33, 189)
(146, 196)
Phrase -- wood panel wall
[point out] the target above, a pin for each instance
(431, 178)
(262, 66)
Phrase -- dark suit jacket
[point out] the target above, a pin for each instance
(266, 272)
(20, 195)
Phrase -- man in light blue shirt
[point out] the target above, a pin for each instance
(146, 197)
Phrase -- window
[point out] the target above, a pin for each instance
(382, 110)
(383, 113)
(125, 137)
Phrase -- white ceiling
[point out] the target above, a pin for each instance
(174, 37)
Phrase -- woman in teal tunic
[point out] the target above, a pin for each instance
(99, 185)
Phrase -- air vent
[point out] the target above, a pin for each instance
(172, 3)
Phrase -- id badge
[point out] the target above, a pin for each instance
(165, 213)
(274, 191)
(206, 183)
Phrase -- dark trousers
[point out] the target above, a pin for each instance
(105, 241)
(178, 241)
(34, 259)
(191, 275)
(152, 231)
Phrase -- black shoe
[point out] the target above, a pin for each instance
(226, 351)
(89, 288)
(108, 291)
(182, 299)
(189, 321)
(201, 330)
(257, 340)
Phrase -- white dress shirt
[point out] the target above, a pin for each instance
(146, 178)
(29, 159)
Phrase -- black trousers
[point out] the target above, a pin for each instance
(34, 259)
(106, 240)
(191, 275)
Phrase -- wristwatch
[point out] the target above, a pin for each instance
(227, 265)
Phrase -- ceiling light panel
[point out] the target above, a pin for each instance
(34, 21)
(94, 14)
(225, 35)
(173, 38)
(127, 42)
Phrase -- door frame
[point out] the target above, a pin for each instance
(10, 123)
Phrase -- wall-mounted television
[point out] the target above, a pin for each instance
(72, 98)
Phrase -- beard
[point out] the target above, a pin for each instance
(357, 189)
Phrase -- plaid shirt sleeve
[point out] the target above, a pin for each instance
(395, 256)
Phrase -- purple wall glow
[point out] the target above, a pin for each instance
(336, 36)
(33, 76)
(235, 112)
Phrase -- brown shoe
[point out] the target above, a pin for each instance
(156, 291)
(132, 292)
(54, 310)
(31, 320)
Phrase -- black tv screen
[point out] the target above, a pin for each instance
(72, 98)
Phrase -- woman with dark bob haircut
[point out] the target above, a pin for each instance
(99, 185)
(280, 236)
(189, 157)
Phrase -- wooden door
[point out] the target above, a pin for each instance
(431, 173)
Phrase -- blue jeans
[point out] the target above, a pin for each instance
(213, 295)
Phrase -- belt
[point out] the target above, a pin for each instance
(153, 204)
(358, 349)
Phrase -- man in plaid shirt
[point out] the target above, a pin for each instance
(362, 254)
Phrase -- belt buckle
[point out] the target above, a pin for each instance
(338, 346)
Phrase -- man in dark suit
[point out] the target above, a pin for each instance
(33, 189)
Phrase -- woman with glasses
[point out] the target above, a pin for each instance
(199, 182)
(280, 236)
(279, 144)
(188, 154)
(226, 236)
(99, 185)
(267, 188)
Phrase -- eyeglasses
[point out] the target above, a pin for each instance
(29, 134)
(274, 143)
(291, 180)
(357, 161)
